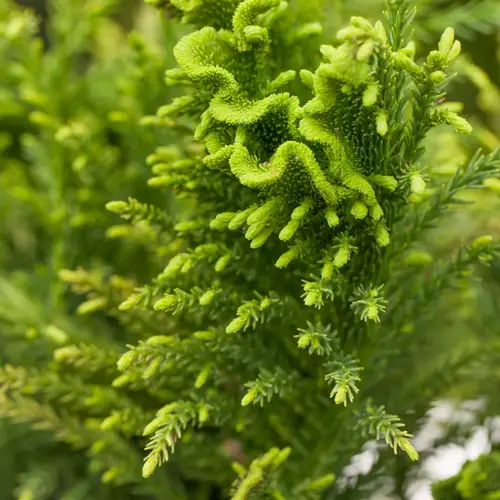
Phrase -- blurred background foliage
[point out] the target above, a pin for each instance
(100, 73)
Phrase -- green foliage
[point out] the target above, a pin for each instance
(316, 183)
(265, 294)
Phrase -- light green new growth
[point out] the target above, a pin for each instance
(322, 186)
(263, 300)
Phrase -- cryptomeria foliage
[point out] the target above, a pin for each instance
(275, 314)
(317, 189)
(71, 136)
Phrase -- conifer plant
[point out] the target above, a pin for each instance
(289, 291)
(286, 321)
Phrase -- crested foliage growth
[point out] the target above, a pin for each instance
(262, 309)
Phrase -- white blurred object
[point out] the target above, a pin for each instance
(447, 460)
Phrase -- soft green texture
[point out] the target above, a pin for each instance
(264, 307)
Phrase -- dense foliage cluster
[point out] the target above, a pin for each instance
(265, 305)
